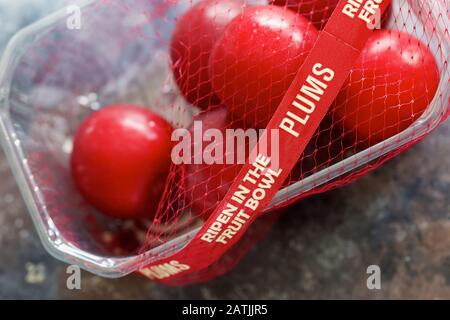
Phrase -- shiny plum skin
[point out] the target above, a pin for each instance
(194, 37)
(120, 160)
(390, 86)
(316, 11)
(256, 59)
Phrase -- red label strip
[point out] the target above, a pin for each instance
(297, 118)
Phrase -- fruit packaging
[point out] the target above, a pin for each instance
(53, 75)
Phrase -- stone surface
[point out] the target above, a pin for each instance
(397, 217)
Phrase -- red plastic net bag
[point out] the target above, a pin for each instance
(164, 136)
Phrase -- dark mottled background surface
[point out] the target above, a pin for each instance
(398, 217)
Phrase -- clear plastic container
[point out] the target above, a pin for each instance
(52, 76)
